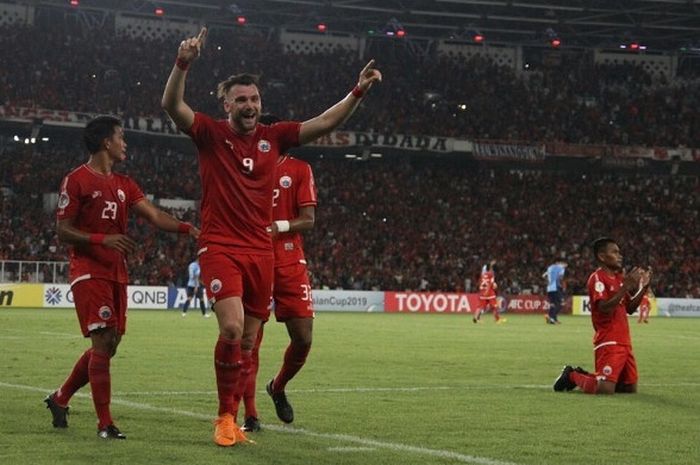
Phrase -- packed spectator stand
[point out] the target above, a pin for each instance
(401, 222)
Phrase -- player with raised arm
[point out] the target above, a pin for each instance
(613, 295)
(93, 207)
(294, 211)
(237, 160)
(487, 294)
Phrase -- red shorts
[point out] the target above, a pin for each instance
(226, 274)
(292, 293)
(490, 300)
(616, 363)
(100, 303)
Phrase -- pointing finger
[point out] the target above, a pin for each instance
(202, 36)
(367, 66)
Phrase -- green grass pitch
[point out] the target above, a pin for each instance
(377, 389)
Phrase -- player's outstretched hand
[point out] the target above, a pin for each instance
(192, 47)
(368, 76)
(120, 242)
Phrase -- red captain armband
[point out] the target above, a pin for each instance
(97, 238)
(184, 228)
(182, 64)
(357, 92)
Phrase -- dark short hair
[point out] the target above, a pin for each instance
(269, 118)
(600, 244)
(243, 79)
(97, 130)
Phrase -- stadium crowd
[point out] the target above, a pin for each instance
(574, 101)
(402, 222)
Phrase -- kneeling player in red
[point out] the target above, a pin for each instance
(92, 216)
(613, 295)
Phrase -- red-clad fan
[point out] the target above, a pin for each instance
(237, 158)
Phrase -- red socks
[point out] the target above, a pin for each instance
(101, 386)
(294, 359)
(227, 364)
(587, 382)
(249, 394)
(77, 379)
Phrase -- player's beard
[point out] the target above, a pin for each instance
(243, 121)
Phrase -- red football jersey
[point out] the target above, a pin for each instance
(98, 203)
(610, 328)
(487, 284)
(237, 174)
(294, 188)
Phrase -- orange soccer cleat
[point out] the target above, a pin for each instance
(226, 431)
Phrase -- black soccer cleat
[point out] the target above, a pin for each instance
(110, 432)
(59, 413)
(285, 412)
(581, 370)
(251, 425)
(563, 382)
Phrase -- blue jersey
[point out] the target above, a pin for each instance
(554, 275)
(193, 271)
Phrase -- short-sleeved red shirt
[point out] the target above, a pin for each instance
(294, 189)
(98, 203)
(610, 328)
(237, 175)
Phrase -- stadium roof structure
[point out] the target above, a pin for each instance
(658, 24)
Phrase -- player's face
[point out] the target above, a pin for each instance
(611, 257)
(116, 145)
(244, 107)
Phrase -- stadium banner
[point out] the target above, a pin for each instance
(498, 150)
(138, 297)
(18, 295)
(580, 306)
(178, 295)
(529, 304)
(678, 307)
(430, 302)
(347, 301)
(339, 139)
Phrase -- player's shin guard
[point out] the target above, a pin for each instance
(227, 365)
(101, 386)
(78, 378)
(587, 382)
(294, 359)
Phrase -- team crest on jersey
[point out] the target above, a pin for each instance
(286, 182)
(121, 195)
(264, 145)
(63, 200)
(105, 312)
(607, 370)
(215, 285)
(599, 287)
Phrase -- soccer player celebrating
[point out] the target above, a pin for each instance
(487, 294)
(92, 218)
(237, 160)
(613, 295)
(294, 210)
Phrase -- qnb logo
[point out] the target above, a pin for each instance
(53, 296)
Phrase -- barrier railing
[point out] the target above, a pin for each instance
(25, 271)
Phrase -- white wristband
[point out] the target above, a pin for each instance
(282, 225)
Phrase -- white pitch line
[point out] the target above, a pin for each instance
(363, 442)
(472, 387)
(351, 449)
